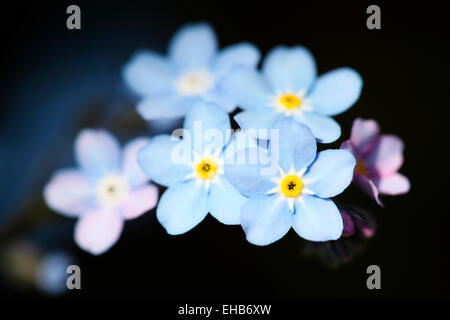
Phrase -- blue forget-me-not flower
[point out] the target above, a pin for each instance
(192, 169)
(298, 194)
(288, 86)
(192, 70)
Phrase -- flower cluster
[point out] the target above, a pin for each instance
(266, 177)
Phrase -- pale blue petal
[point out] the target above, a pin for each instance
(336, 91)
(225, 202)
(289, 69)
(193, 46)
(97, 152)
(208, 125)
(158, 161)
(265, 219)
(171, 106)
(297, 145)
(182, 207)
(250, 171)
(317, 219)
(331, 172)
(239, 141)
(241, 54)
(324, 128)
(148, 73)
(218, 96)
(247, 87)
(257, 123)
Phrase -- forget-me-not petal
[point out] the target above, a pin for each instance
(290, 69)
(317, 219)
(157, 161)
(265, 220)
(331, 172)
(182, 206)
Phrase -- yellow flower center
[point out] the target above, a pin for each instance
(360, 168)
(291, 186)
(112, 190)
(290, 101)
(194, 83)
(206, 168)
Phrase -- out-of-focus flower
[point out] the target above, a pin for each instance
(378, 159)
(356, 220)
(107, 188)
(358, 227)
(27, 266)
(195, 181)
(193, 69)
(298, 195)
(288, 86)
(52, 274)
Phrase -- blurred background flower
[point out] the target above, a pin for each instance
(192, 70)
(107, 188)
(359, 226)
(63, 87)
(379, 157)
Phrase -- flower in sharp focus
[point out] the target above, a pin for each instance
(288, 87)
(192, 169)
(107, 188)
(378, 159)
(192, 69)
(297, 194)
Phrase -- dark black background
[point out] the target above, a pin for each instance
(405, 90)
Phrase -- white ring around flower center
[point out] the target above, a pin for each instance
(284, 194)
(204, 178)
(298, 102)
(194, 83)
(112, 190)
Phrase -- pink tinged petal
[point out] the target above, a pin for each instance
(349, 225)
(364, 135)
(140, 201)
(69, 192)
(98, 230)
(393, 184)
(386, 156)
(130, 166)
(97, 152)
(368, 187)
(363, 221)
(367, 230)
(347, 145)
